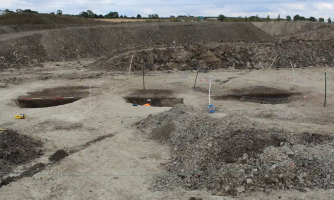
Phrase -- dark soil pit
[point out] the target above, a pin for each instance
(260, 94)
(156, 102)
(52, 97)
(43, 103)
(159, 98)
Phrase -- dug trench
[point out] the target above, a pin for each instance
(234, 155)
(21, 152)
(260, 94)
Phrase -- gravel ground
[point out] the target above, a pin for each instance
(234, 155)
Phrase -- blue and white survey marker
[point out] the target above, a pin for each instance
(211, 108)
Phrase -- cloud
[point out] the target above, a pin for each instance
(324, 6)
(296, 6)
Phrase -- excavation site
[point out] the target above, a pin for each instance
(147, 110)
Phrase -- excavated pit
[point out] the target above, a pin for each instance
(51, 97)
(43, 103)
(159, 98)
(260, 94)
(156, 102)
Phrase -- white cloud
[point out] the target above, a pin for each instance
(296, 6)
(324, 6)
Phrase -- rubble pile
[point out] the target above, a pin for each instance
(234, 155)
(225, 56)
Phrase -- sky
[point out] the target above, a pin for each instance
(166, 8)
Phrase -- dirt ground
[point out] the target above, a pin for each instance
(125, 165)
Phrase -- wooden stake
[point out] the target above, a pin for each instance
(196, 78)
(130, 65)
(210, 91)
(293, 73)
(273, 62)
(90, 101)
(325, 89)
(144, 77)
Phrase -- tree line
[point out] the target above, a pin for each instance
(112, 15)
(288, 18)
(86, 14)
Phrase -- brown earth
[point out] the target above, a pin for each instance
(57, 45)
(224, 56)
(16, 149)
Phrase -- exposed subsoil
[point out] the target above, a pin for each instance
(54, 158)
(66, 44)
(70, 91)
(234, 155)
(225, 56)
(260, 94)
(43, 103)
(16, 149)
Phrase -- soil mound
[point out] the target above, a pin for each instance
(16, 149)
(224, 56)
(233, 155)
(98, 41)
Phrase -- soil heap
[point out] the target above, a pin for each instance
(16, 149)
(233, 155)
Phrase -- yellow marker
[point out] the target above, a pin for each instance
(3, 129)
(20, 116)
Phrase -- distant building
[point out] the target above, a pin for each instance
(211, 18)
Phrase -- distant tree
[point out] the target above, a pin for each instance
(288, 18)
(172, 16)
(257, 18)
(100, 16)
(19, 10)
(153, 16)
(27, 11)
(59, 12)
(125, 16)
(52, 13)
(112, 15)
(321, 20)
(279, 17)
(221, 17)
(116, 15)
(90, 13)
(121, 16)
(302, 18)
(84, 14)
(246, 18)
(138, 16)
(313, 19)
(7, 11)
(268, 18)
(329, 20)
(296, 18)
(252, 18)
